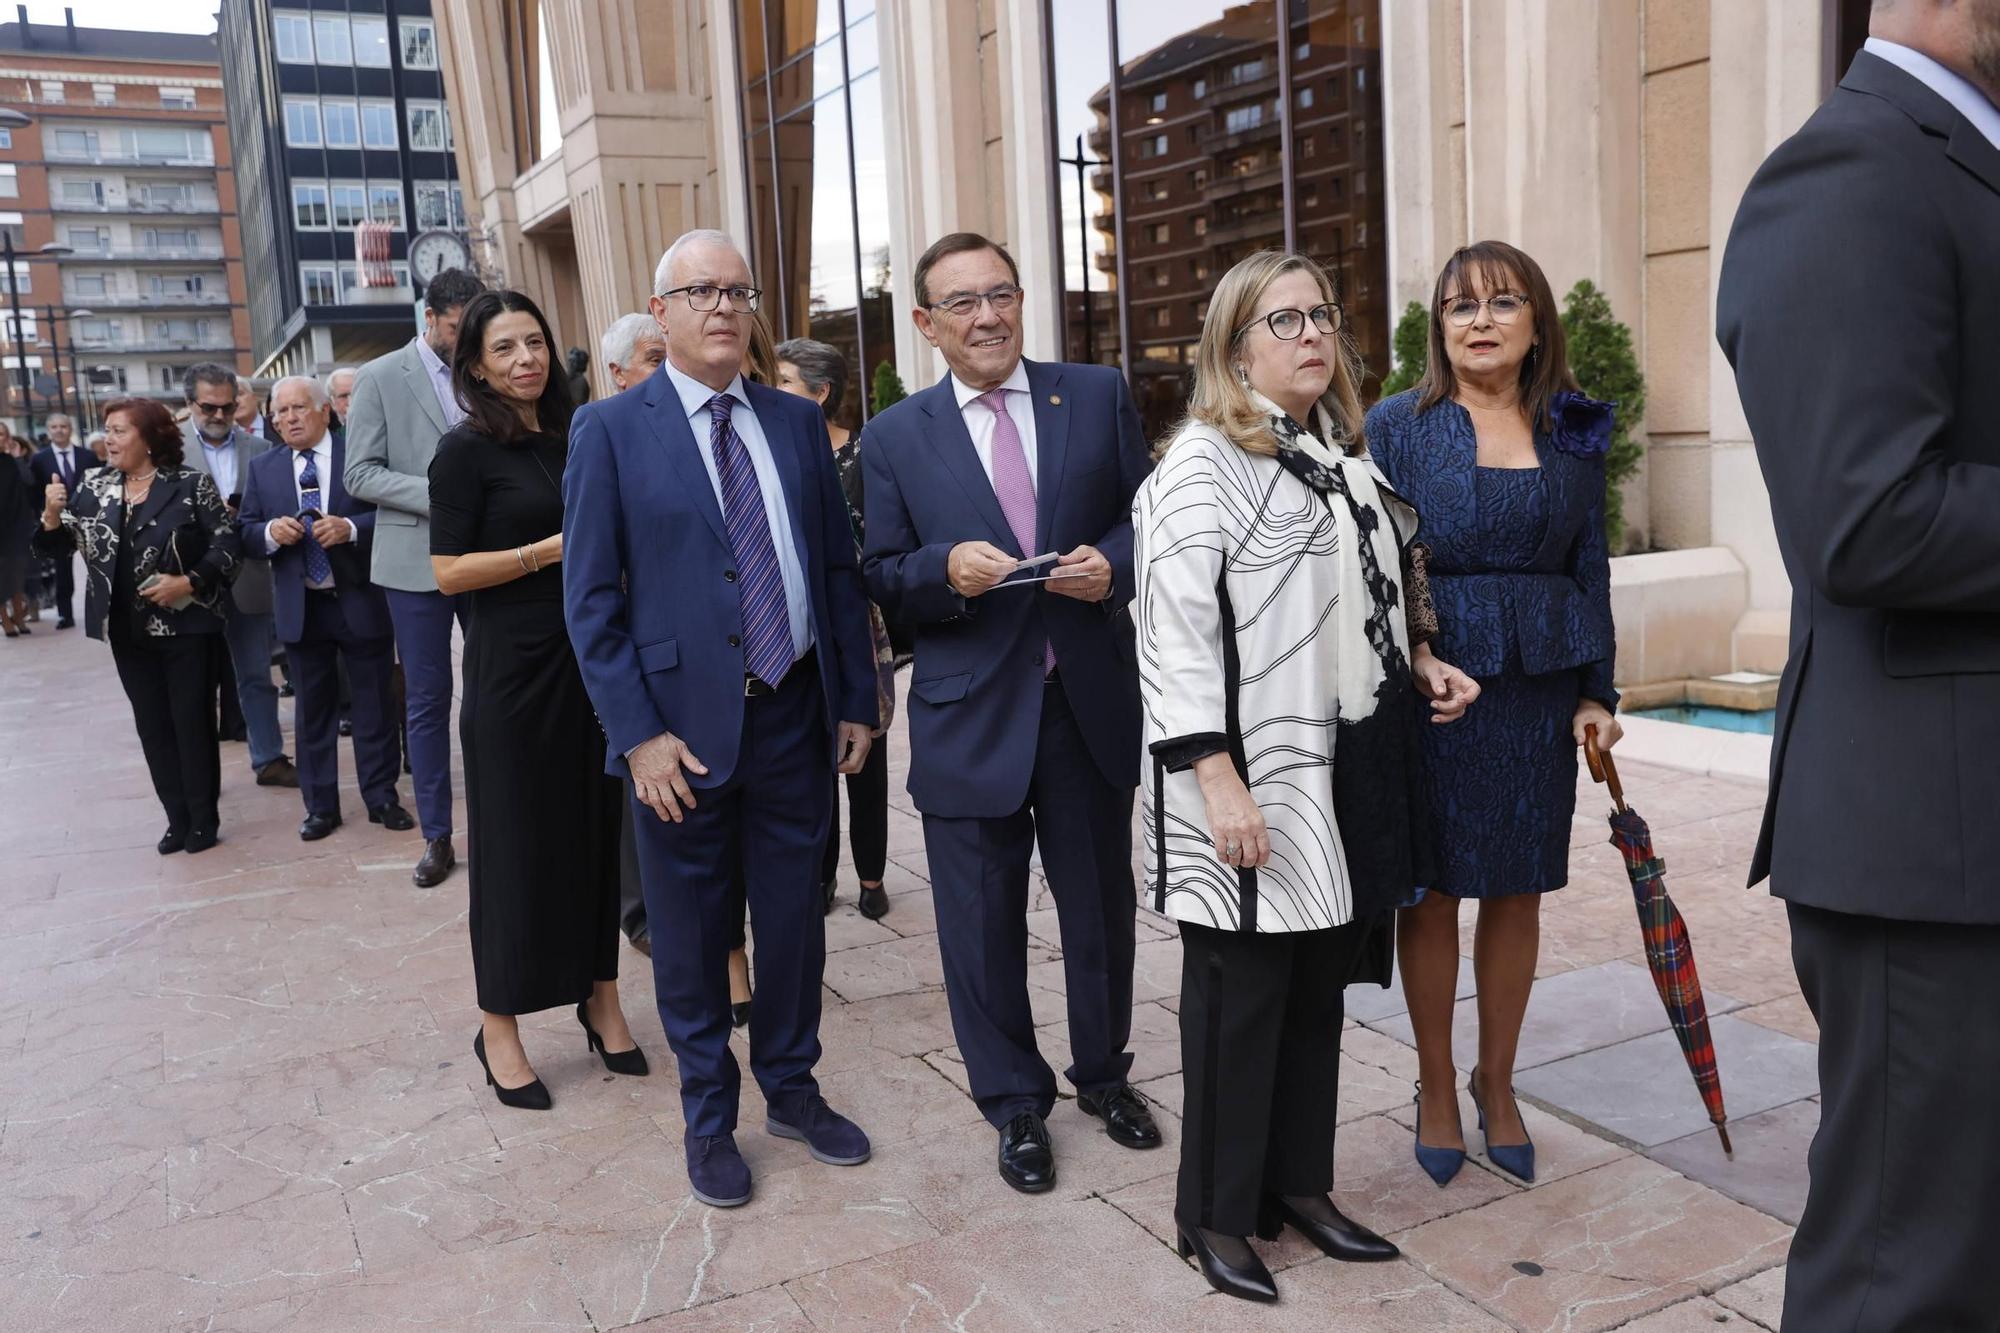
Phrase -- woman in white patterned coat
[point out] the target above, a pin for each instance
(1278, 677)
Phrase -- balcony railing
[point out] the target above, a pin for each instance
(144, 300)
(215, 342)
(154, 253)
(116, 157)
(156, 208)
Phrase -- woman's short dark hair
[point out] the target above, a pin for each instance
(1498, 266)
(485, 407)
(155, 426)
(821, 366)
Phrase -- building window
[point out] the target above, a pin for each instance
(318, 284)
(426, 127)
(1361, 182)
(1200, 224)
(301, 122)
(433, 201)
(1163, 318)
(85, 194)
(309, 209)
(1307, 146)
(294, 38)
(378, 125)
(88, 284)
(177, 99)
(1241, 118)
(24, 280)
(419, 44)
(10, 187)
(1157, 191)
(174, 146)
(350, 203)
(1160, 233)
(1153, 147)
(331, 42)
(89, 240)
(175, 241)
(104, 94)
(1200, 89)
(52, 90)
(1305, 98)
(343, 124)
(1162, 276)
(1159, 103)
(371, 42)
(385, 204)
(6, 138)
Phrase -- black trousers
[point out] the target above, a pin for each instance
(1904, 1202)
(1260, 1047)
(325, 648)
(168, 682)
(979, 883)
(867, 819)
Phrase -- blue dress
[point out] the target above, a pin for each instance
(1521, 579)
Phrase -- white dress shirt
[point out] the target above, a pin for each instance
(69, 463)
(694, 401)
(1952, 86)
(979, 420)
(322, 454)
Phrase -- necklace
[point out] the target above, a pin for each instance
(133, 476)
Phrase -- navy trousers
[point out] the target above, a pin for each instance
(423, 642)
(765, 824)
(979, 881)
(316, 660)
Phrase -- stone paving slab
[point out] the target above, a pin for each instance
(237, 1093)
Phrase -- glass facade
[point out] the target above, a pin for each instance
(1192, 133)
(813, 155)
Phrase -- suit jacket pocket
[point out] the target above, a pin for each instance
(942, 689)
(1938, 643)
(660, 655)
(396, 518)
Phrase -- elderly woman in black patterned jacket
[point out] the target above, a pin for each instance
(160, 551)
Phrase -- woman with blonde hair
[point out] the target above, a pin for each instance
(1278, 660)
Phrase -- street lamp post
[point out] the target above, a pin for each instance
(55, 355)
(20, 348)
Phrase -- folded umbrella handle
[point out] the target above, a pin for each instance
(1602, 767)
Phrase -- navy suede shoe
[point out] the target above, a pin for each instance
(830, 1136)
(717, 1174)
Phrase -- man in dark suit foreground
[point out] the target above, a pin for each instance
(1856, 303)
(297, 514)
(714, 600)
(1024, 701)
(64, 459)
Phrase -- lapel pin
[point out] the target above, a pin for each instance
(1055, 400)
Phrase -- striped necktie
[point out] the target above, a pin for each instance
(767, 624)
(319, 570)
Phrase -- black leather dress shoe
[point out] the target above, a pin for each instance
(316, 827)
(1336, 1235)
(65, 623)
(437, 862)
(1026, 1160)
(345, 726)
(1125, 1116)
(201, 839)
(874, 902)
(171, 841)
(1246, 1279)
(826, 895)
(392, 817)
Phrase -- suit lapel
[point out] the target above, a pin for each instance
(1051, 447)
(677, 439)
(961, 459)
(418, 378)
(1975, 152)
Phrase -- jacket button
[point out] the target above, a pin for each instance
(735, 642)
(729, 575)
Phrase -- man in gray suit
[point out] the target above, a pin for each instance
(402, 403)
(218, 446)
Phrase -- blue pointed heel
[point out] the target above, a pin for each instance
(1440, 1164)
(1516, 1159)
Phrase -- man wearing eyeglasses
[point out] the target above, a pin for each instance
(999, 507)
(714, 599)
(221, 448)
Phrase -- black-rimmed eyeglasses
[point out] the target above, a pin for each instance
(703, 297)
(964, 305)
(1289, 324)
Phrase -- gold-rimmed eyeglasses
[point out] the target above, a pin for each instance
(964, 305)
(702, 297)
(1289, 324)
(1503, 307)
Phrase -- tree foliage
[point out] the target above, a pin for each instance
(1606, 367)
(887, 389)
(1409, 348)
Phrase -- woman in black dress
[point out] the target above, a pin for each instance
(543, 813)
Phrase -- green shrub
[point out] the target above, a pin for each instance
(887, 389)
(1606, 367)
(1410, 349)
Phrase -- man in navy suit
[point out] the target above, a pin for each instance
(297, 514)
(714, 599)
(1024, 701)
(62, 457)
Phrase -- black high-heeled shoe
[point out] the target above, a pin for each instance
(1337, 1236)
(618, 1062)
(533, 1097)
(1251, 1283)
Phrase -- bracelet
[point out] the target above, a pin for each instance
(521, 559)
(536, 567)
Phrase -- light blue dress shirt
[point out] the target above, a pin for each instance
(1953, 87)
(440, 375)
(221, 459)
(694, 397)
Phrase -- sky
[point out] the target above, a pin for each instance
(196, 16)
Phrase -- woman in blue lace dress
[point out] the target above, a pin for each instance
(1504, 459)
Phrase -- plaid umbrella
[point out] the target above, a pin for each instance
(1669, 953)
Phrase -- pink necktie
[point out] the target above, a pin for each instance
(1014, 487)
